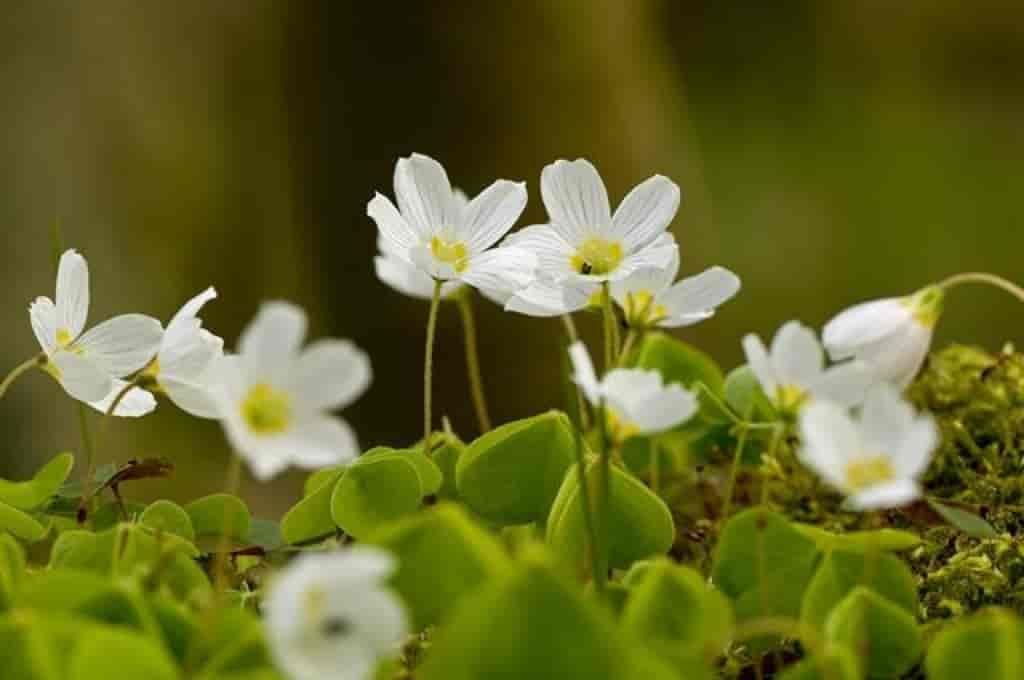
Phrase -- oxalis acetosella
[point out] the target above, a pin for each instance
(672, 521)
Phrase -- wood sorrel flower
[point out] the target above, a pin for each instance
(184, 365)
(584, 244)
(273, 398)
(446, 238)
(891, 335)
(875, 458)
(636, 402)
(795, 369)
(648, 297)
(331, 615)
(89, 365)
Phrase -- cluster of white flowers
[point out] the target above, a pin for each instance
(332, 615)
(272, 399)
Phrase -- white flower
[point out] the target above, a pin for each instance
(875, 459)
(184, 365)
(331, 617)
(649, 297)
(449, 240)
(794, 370)
(273, 398)
(636, 401)
(401, 274)
(891, 335)
(88, 365)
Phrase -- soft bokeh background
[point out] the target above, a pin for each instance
(828, 152)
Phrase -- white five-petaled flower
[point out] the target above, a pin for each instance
(273, 399)
(636, 401)
(584, 244)
(89, 365)
(184, 365)
(794, 369)
(446, 238)
(891, 335)
(648, 297)
(875, 459)
(331, 617)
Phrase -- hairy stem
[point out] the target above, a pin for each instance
(606, 497)
(428, 363)
(576, 405)
(730, 487)
(609, 327)
(476, 383)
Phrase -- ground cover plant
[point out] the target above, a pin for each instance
(838, 507)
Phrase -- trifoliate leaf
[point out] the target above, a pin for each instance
(311, 517)
(886, 637)
(169, 517)
(210, 515)
(375, 490)
(986, 646)
(43, 486)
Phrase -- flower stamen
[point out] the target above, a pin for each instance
(597, 256)
(266, 410)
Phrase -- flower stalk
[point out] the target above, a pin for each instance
(476, 383)
(18, 370)
(428, 362)
(983, 278)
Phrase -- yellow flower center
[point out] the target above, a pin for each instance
(866, 472)
(789, 398)
(454, 254)
(63, 337)
(597, 256)
(266, 410)
(619, 430)
(641, 309)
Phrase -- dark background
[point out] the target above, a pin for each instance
(828, 152)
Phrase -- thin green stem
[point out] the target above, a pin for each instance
(428, 363)
(772, 450)
(18, 370)
(231, 486)
(627, 346)
(717, 401)
(730, 487)
(570, 328)
(606, 495)
(476, 383)
(609, 327)
(986, 279)
(581, 479)
(90, 467)
(90, 461)
(653, 471)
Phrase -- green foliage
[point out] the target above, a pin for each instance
(986, 646)
(377, 488)
(32, 494)
(640, 525)
(511, 474)
(170, 517)
(764, 565)
(528, 624)
(673, 607)
(311, 517)
(211, 515)
(886, 638)
(442, 555)
(678, 362)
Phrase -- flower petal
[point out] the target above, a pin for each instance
(917, 448)
(864, 324)
(583, 372)
(392, 226)
(189, 311)
(408, 279)
(43, 315)
(700, 294)
(657, 255)
(760, 364)
(898, 356)
(507, 268)
(885, 419)
(554, 254)
(845, 384)
(424, 195)
(329, 374)
(122, 345)
(645, 212)
(650, 280)
(319, 442)
(544, 298)
(797, 355)
(194, 398)
(576, 200)
(893, 494)
(830, 441)
(135, 404)
(491, 214)
(191, 356)
(664, 410)
(72, 293)
(82, 378)
(271, 340)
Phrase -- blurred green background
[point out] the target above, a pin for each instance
(828, 152)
